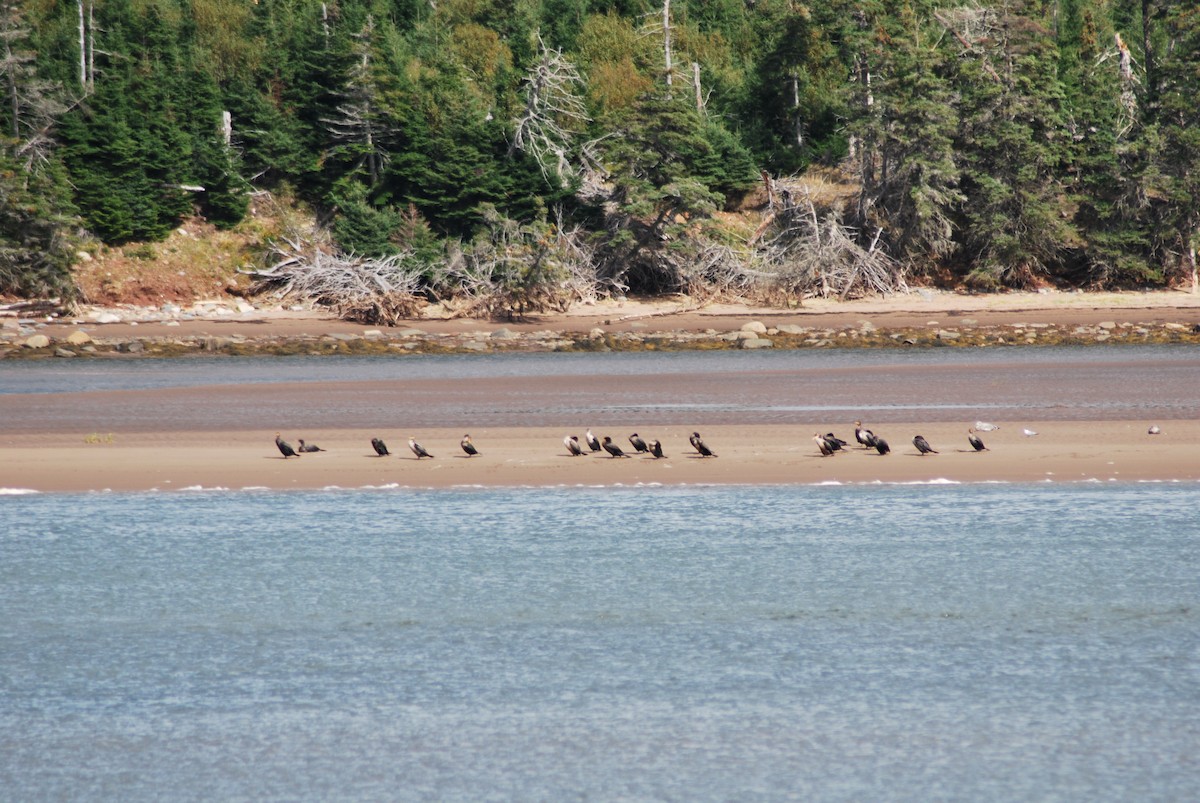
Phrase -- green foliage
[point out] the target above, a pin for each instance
(996, 139)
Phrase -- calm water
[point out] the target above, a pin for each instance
(813, 643)
(694, 388)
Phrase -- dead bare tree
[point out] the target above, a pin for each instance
(367, 290)
(553, 110)
(813, 256)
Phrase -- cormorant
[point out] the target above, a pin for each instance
(835, 443)
(572, 444)
(656, 449)
(639, 445)
(467, 446)
(418, 449)
(881, 445)
(975, 441)
(380, 447)
(822, 444)
(309, 447)
(923, 446)
(592, 441)
(285, 448)
(864, 436)
(700, 446)
(612, 448)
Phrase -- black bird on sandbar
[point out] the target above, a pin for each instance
(285, 448)
(467, 446)
(923, 446)
(592, 441)
(380, 447)
(573, 447)
(418, 449)
(639, 445)
(975, 441)
(612, 448)
(700, 446)
(309, 447)
(881, 445)
(835, 443)
(656, 449)
(864, 436)
(823, 444)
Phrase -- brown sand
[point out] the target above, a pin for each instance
(173, 454)
(1061, 452)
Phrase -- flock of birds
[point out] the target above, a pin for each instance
(827, 444)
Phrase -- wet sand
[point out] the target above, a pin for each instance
(1092, 421)
(534, 456)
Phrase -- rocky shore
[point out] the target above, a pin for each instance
(240, 329)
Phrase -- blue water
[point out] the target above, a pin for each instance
(976, 642)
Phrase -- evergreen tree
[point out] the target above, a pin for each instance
(1010, 141)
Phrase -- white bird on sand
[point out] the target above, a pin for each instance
(984, 426)
(1028, 433)
(1154, 430)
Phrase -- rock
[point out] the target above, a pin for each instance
(106, 317)
(746, 335)
(83, 256)
(372, 334)
(504, 334)
(36, 342)
(1174, 327)
(172, 323)
(473, 345)
(867, 326)
(596, 334)
(244, 306)
(793, 329)
(78, 338)
(63, 353)
(756, 343)
(947, 334)
(345, 337)
(756, 327)
(410, 332)
(1107, 324)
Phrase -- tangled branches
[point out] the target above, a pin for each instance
(367, 290)
(815, 257)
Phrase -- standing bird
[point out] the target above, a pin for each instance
(881, 446)
(285, 448)
(1028, 433)
(380, 447)
(923, 446)
(823, 445)
(639, 445)
(1154, 430)
(975, 441)
(467, 446)
(612, 448)
(700, 446)
(835, 443)
(309, 447)
(572, 444)
(656, 449)
(592, 441)
(864, 436)
(418, 449)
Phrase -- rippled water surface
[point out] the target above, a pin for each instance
(870, 643)
(760, 387)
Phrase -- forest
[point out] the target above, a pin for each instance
(527, 154)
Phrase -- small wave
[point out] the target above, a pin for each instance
(202, 489)
(17, 491)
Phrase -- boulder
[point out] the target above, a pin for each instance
(756, 343)
(36, 342)
(79, 337)
(63, 353)
(757, 327)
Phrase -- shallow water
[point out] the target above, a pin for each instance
(784, 387)
(869, 643)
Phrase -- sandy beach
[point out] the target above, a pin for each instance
(1100, 451)
(222, 437)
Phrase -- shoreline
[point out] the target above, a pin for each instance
(534, 457)
(922, 318)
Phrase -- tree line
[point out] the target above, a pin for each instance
(523, 153)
